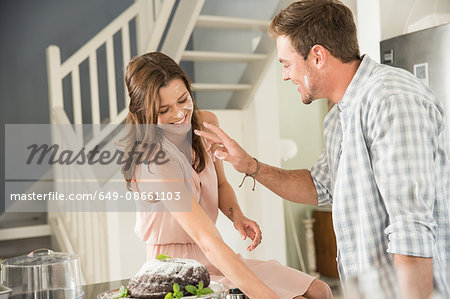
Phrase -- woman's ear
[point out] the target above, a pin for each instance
(318, 55)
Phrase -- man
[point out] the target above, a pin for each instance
(384, 168)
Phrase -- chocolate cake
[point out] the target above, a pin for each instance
(156, 278)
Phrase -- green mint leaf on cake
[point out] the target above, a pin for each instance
(191, 289)
(200, 291)
(176, 291)
(206, 291)
(123, 293)
(163, 257)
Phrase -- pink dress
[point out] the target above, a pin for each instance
(163, 234)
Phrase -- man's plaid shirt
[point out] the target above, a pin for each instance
(386, 172)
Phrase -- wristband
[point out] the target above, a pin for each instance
(252, 175)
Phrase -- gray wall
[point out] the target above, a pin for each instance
(27, 27)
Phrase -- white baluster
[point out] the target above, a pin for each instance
(126, 55)
(77, 109)
(55, 88)
(102, 246)
(144, 23)
(95, 101)
(111, 78)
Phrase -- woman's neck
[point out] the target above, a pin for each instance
(177, 139)
(181, 142)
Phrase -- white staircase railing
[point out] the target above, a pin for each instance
(57, 71)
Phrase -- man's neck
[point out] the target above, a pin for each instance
(340, 78)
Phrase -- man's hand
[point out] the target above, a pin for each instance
(415, 276)
(294, 185)
(248, 228)
(225, 148)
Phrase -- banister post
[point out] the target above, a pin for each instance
(55, 89)
(144, 21)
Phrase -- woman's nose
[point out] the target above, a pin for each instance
(179, 112)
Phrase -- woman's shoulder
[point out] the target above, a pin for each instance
(208, 116)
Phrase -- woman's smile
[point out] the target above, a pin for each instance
(182, 121)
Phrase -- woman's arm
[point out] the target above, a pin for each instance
(201, 229)
(197, 224)
(228, 203)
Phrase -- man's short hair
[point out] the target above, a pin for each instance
(318, 22)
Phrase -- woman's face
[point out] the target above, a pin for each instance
(176, 106)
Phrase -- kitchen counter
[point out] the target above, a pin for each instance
(92, 290)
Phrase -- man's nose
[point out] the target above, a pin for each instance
(285, 76)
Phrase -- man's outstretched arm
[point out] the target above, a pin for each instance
(293, 185)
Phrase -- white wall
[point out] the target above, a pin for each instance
(231, 121)
(127, 252)
(304, 125)
(397, 15)
(256, 129)
(265, 111)
(369, 29)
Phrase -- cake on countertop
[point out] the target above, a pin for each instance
(156, 277)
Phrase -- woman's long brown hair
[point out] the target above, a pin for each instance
(145, 75)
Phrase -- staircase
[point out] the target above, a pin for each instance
(171, 27)
(239, 73)
(241, 85)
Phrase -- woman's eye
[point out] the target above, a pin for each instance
(163, 111)
(183, 101)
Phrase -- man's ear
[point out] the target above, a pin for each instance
(318, 56)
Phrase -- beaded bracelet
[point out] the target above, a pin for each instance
(251, 175)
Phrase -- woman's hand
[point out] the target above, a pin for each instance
(248, 228)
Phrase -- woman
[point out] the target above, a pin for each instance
(160, 93)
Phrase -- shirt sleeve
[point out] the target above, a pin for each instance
(321, 176)
(402, 135)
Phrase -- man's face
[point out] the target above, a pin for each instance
(297, 69)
